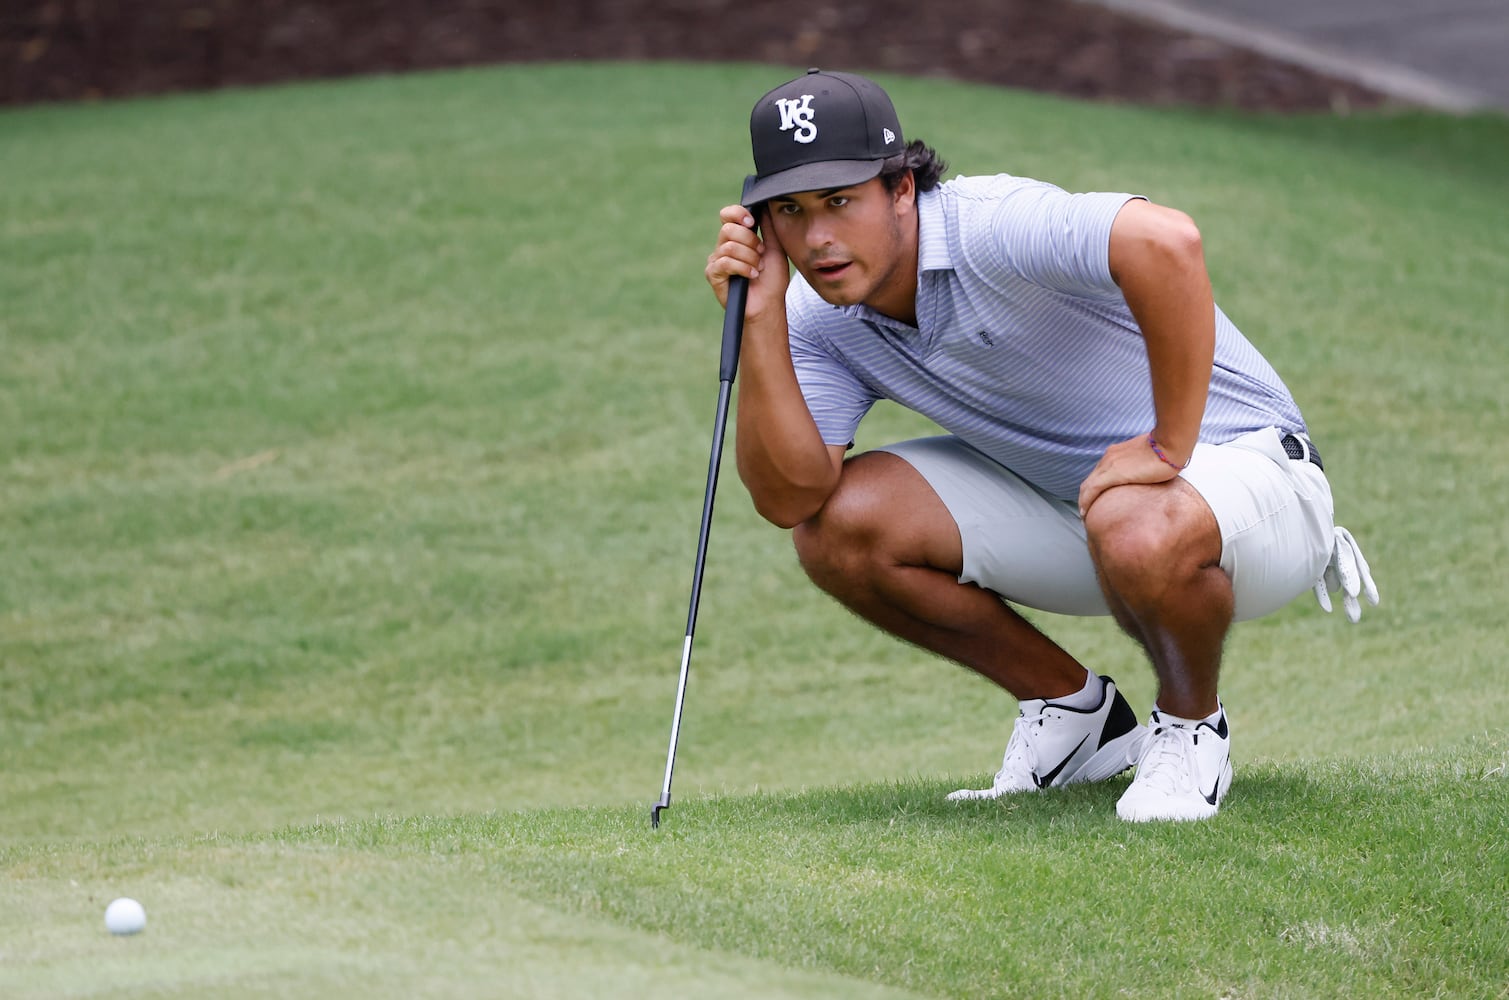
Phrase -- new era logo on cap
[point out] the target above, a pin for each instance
(820, 131)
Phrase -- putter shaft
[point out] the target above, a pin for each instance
(733, 334)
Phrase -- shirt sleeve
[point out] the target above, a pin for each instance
(1058, 240)
(836, 397)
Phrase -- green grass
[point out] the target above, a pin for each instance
(352, 439)
(1342, 879)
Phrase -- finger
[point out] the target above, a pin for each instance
(1354, 609)
(1342, 572)
(726, 262)
(747, 258)
(1089, 491)
(772, 254)
(737, 214)
(767, 230)
(737, 231)
(1323, 596)
(775, 251)
(721, 266)
(1364, 571)
(719, 275)
(1351, 586)
(1346, 567)
(732, 232)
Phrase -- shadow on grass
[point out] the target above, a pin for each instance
(1281, 800)
(1261, 795)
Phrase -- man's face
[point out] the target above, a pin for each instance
(850, 243)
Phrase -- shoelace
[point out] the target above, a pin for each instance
(1163, 758)
(1020, 747)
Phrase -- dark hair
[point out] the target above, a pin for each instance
(922, 160)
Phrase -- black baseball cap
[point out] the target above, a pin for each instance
(818, 132)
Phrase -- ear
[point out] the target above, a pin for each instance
(905, 194)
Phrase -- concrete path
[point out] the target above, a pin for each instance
(1447, 54)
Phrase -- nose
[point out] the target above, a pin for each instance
(819, 234)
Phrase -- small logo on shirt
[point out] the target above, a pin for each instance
(985, 338)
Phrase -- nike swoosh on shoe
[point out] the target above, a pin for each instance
(1044, 781)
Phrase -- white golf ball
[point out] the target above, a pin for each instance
(125, 916)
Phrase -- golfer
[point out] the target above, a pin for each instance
(1113, 444)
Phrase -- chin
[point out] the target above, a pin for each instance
(837, 295)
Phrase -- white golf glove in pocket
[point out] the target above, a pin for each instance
(1347, 572)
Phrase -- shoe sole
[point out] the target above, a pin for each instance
(1107, 762)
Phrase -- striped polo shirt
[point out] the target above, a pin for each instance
(1024, 346)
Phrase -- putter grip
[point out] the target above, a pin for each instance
(733, 327)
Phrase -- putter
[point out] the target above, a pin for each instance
(728, 366)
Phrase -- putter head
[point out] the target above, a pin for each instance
(664, 803)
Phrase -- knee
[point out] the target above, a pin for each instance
(1122, 547)
(883, 516)
(833, 543)
(1147, 548)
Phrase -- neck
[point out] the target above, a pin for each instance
(896, 296)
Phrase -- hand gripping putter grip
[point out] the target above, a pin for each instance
(728, 366)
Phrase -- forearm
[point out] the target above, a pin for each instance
(782, 460)
(1168, 291)
(1179, 327)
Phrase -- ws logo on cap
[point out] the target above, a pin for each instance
(797, 114)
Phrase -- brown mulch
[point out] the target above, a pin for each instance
(64, 50)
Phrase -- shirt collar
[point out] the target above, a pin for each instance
(932, 234)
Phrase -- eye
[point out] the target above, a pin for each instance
(838, 201)
(787, 208)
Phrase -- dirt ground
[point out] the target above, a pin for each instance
(63, 50)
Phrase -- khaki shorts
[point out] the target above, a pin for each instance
(1275, 515)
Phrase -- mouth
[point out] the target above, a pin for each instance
(832, 270)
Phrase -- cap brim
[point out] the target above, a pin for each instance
(824, 176)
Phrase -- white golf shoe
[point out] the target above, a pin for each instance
(1055, 745)
(1182, 774)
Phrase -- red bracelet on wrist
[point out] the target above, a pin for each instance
(1153, 444)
